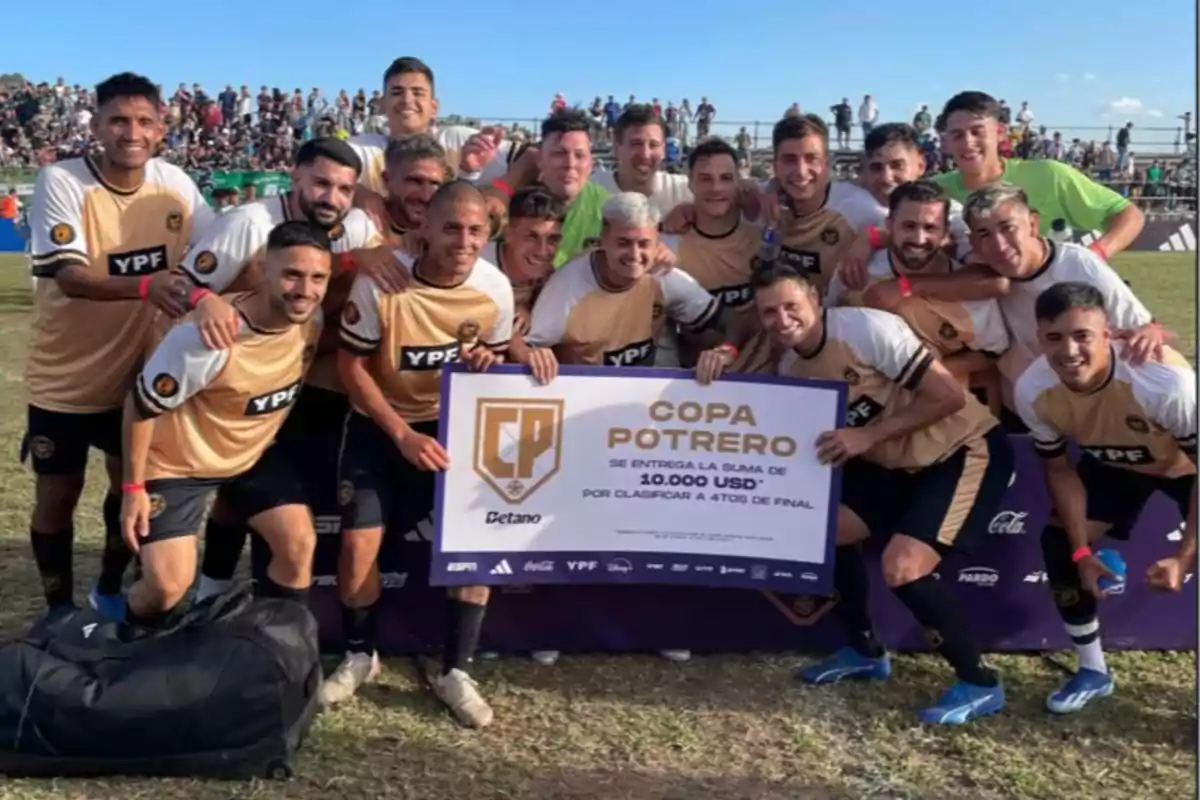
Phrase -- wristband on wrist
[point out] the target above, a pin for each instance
(1098, 249)
(1081, 554)
(730, 349)
(346, 262)
(196, 295)
(144, 287)
(874, 237)
(503, 186)
(129, 488)
(905, 286)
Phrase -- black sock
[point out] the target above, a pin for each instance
(53, 553)
(223, 545)
(269, 588)
(946, 628)
(260, 556)
(850, 581)
(116, 556)
(464, 621)
(360, 628)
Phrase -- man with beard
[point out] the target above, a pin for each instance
(639, 145)
(1136, 428)
(458, 306)
(1005, 236)
(415, 168)
(105, 231)
(924, 465)
(227, 258)
(526, 253)
(955, 315)
(970, 129)
(200, 420)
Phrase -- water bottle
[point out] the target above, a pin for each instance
(768, 251)
(1114, 561)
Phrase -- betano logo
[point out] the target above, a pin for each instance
(518, 444)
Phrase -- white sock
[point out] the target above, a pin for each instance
(211, 587)
(1091, 655)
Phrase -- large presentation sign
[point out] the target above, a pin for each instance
(638, 476)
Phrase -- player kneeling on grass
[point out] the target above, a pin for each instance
(200, 420)
(1136, 427)
(924, 464)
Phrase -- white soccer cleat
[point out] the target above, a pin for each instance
(677, 656)
(461, 693)
(547, 658)
(355, 670)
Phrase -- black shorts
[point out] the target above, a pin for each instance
(377, 486)
(1117, 496)
(311, 438)
(947, 505)
(177, 505)
(57, 442)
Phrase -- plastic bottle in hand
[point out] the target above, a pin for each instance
(768, 251)
(1115, 562)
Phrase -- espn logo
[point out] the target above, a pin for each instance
(462, 566)
(433, 357)
(138, 262)
(274, 401)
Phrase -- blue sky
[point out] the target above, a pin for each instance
(1077, 63)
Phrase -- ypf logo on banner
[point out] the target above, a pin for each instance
(518, 444)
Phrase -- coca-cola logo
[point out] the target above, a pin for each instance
(1008, 522)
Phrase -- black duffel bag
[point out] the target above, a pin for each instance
(228, 691)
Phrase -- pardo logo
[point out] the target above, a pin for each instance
(1009, 522)
(980, 576)
(582, 566)
(518, 444)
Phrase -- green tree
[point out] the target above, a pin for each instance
(12, 79)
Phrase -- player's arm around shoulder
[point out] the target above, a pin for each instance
(697, 311)
(547, 325)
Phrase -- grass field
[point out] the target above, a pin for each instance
(609, 728)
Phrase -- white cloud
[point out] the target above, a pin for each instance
(1126, 105)
(1062, 76)
(1089, 76)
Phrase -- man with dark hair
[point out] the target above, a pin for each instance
(1136, 428)
(414, 169)
(526, 252)
(639, 143)
(924, 465)
(970, 129)
(459, 306)
(200, 420)
(105, 231)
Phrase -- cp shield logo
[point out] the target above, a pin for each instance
(518, 444)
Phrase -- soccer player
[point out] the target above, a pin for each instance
(1005, 235)
(639, 144)
(105, 231)
(718, 250)
(955, 314)
(393, 348)
(924, 465)
(227, 257)
(526, 253)
(200, 420)
(970, 128)
(1136, 428)
(414, 169)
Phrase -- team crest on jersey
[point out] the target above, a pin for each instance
(41, 447)
(158, 504)
(467, 332)
(165, 385)
(947, 331)
(61, 234)
(337, 232)
(657, 311)
(351, 313)
(345, 493)
(175, 222)
(830, 237)
(850, 376)
(205, 263)
(310, 352)
(1137, 424)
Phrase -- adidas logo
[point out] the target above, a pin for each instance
(502, 568)
(1183, 241)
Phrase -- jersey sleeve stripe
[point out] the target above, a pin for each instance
(497, 346)
(196, 280)
(1052, 449)
(357, 344)
(59, 255)
(147, 405)
(706, 316)
(915, 369)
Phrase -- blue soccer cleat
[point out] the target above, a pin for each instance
(109, 606)
(847, 663)
(1084, 686)
(963, 702)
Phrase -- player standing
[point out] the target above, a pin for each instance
(526, 252)
(414, 169)
(200, 420)
(393, 348)
(924, 465)
(1136, 427)
(105, 231)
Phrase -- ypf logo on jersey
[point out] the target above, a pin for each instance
(1120, 455)
(861, 411)
(518, 444)
(638, 354)
(734, 296)
(806, 262)
(138, 262)
(175, 222)
(272, 401)
(432, 357)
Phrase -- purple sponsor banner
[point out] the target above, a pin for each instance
(1002, 587)
(537, 567)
